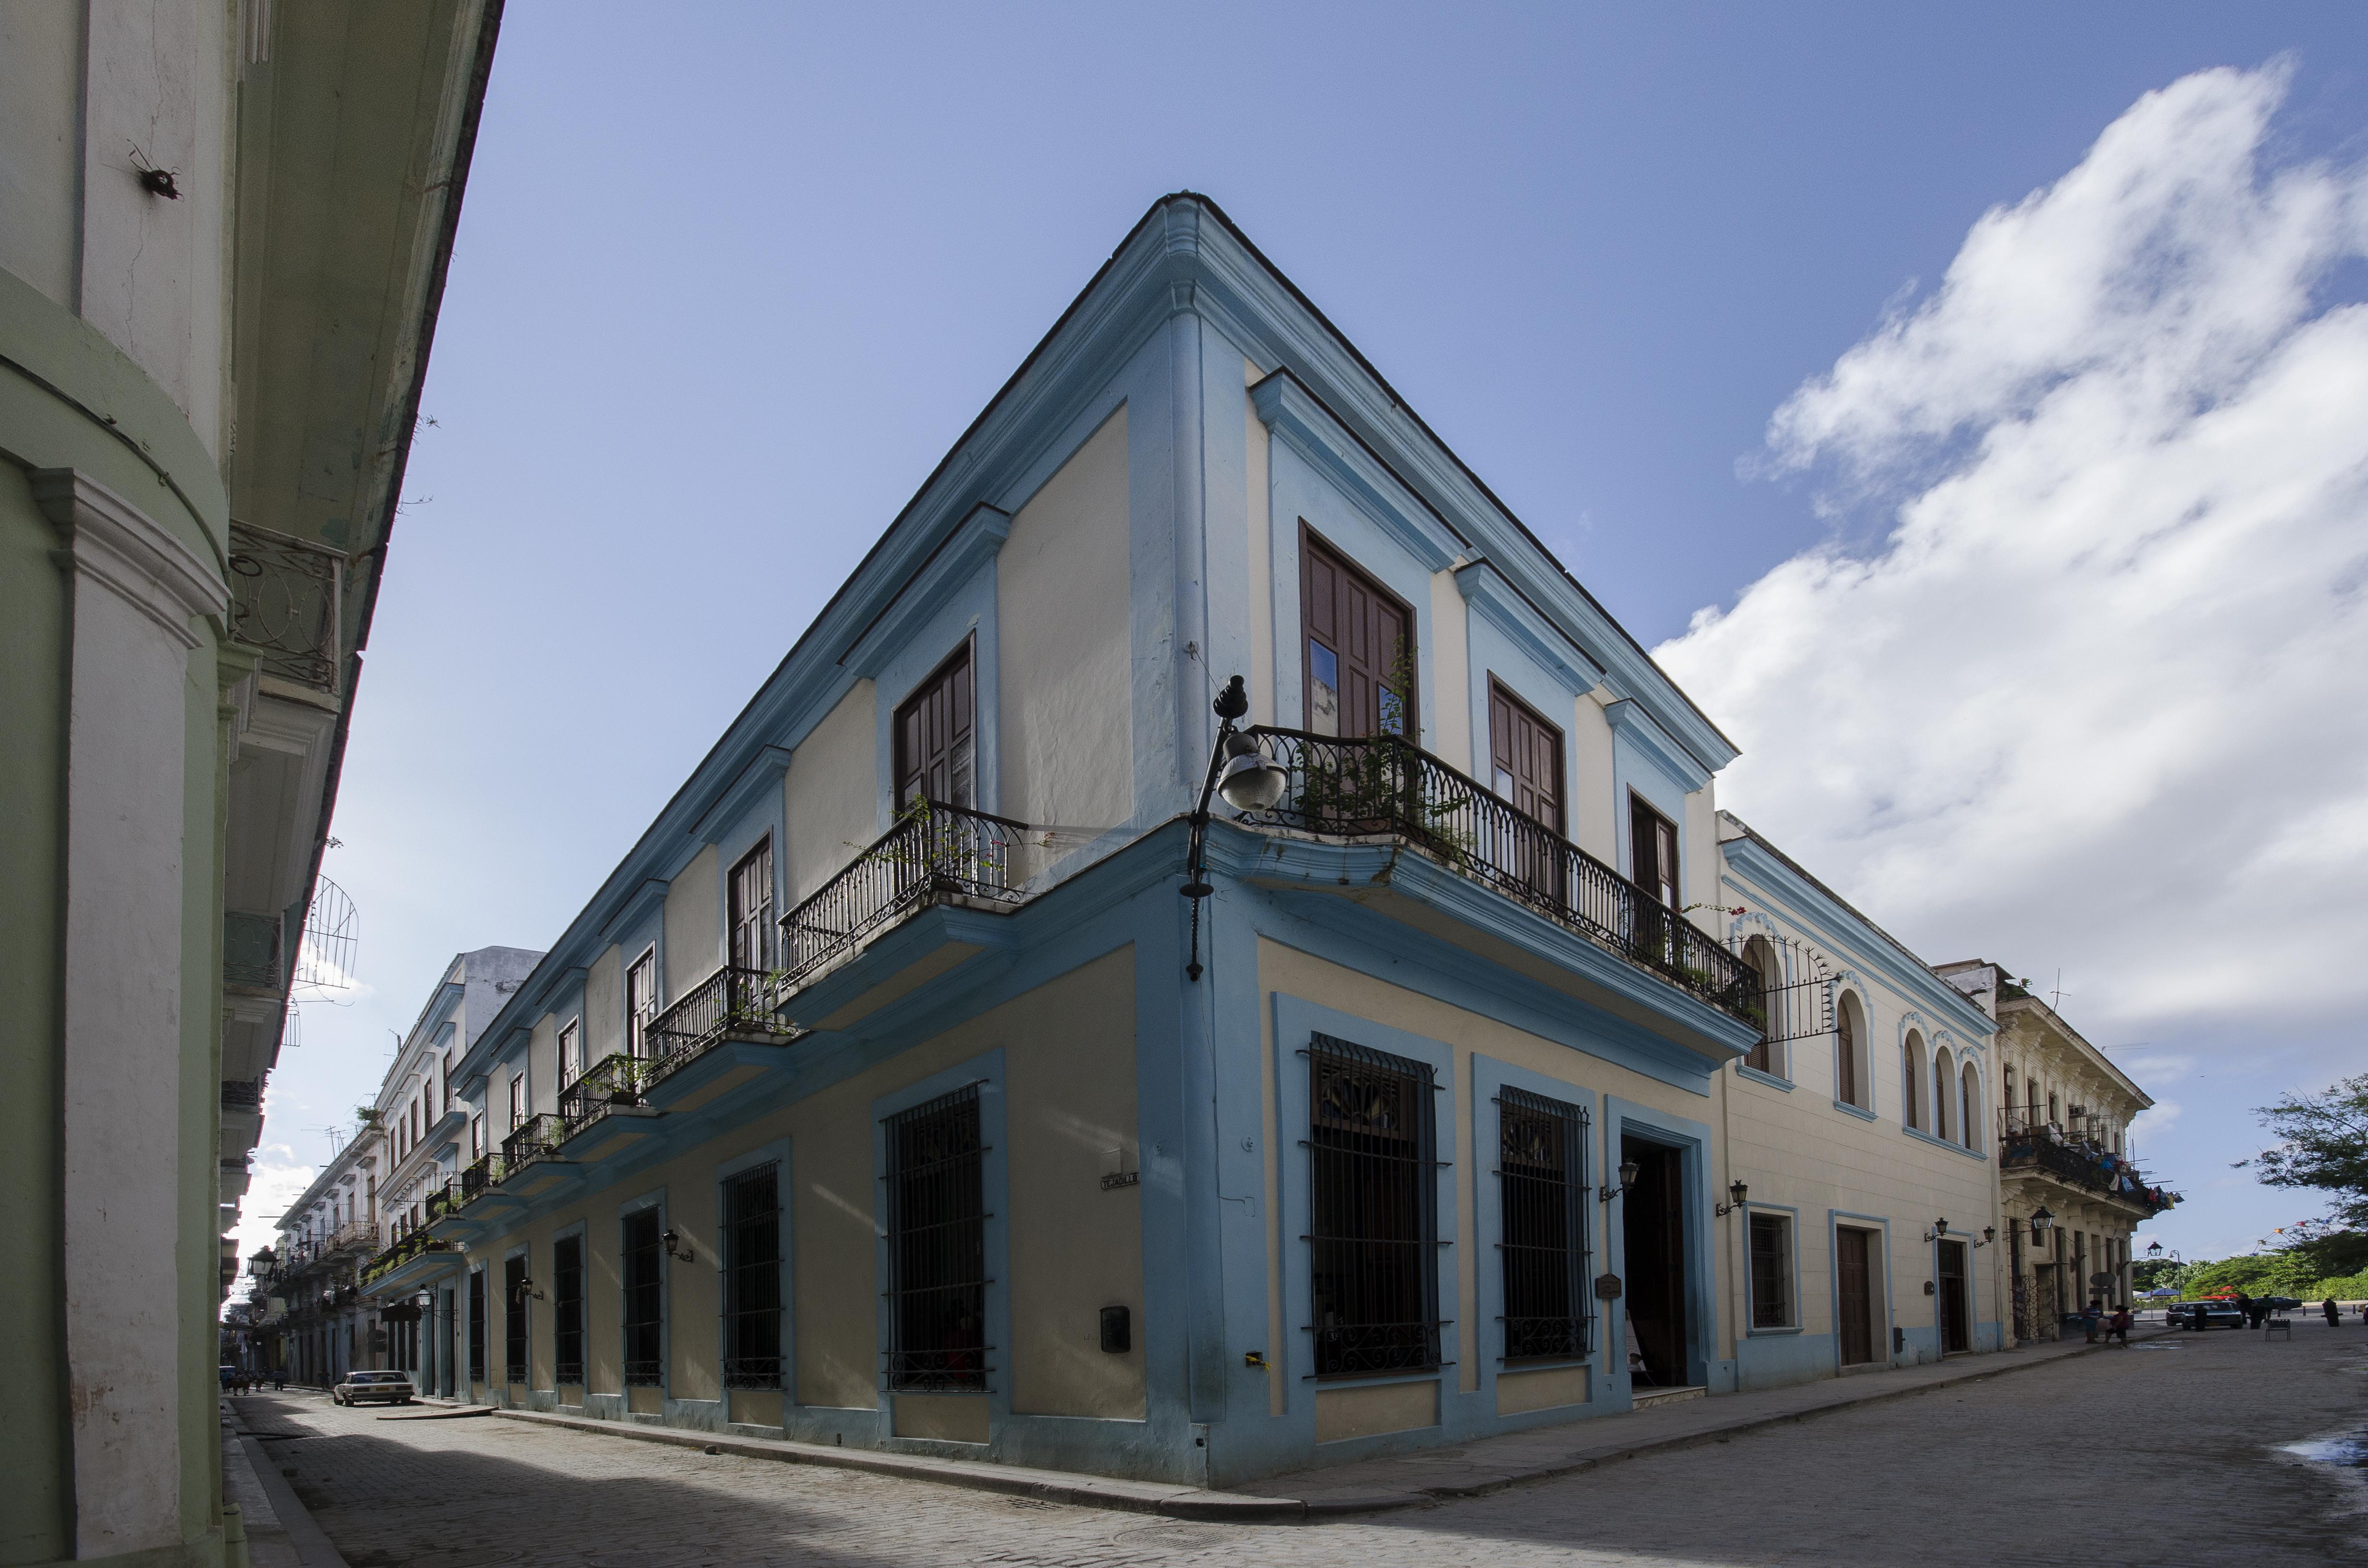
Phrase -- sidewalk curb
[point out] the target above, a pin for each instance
(1233, 1508)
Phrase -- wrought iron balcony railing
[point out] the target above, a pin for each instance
(354, 1235)
(608, 1083)
(1380, 786)
(933, 852)
(731, 1004)
(287, 602)
(535, 1138)
(478, 1175)
(414, 1245)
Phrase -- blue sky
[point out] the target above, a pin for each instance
(728, 286)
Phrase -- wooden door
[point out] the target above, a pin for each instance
(933, 737)
(1956, 1330)
(1856, 1288)
(1525, 753)
(752, 909)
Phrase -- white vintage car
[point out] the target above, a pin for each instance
(361, 1388)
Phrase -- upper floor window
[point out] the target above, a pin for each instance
(934, 752)
(518, 1100)
(571, 1051)
(1525, 757)
(752, 909)
(1911, 1079)
(1969, 1101)
(1759, 957)
(641, 999)
(1848, 1071)
(1358, 654)
(477, 1137)
(1653, 852)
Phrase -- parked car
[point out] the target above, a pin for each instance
(2280, 1303)
(387, 1388)
(2204, 1314)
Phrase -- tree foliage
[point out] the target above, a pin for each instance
(2322, 1143)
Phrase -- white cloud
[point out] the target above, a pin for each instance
(2098, 698)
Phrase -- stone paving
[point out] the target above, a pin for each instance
(2174, 1452)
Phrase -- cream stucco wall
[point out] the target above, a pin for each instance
(1452, 730)
(694, 925)
(604, 1005)
(1594, 814)
(1067, 669)
(831, 793)
(542, 1068)
(1068, 1049)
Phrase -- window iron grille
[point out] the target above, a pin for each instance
(937, 1246)
(1771, 1274)
(514, 1324)
(476, 1325)
(1542, 1184)
(644, 1299)
(1374, 1201)
(752, 1278)
(567, 1309)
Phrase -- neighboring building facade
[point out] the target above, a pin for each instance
(887, 1093)
(2072, 1190)
(1870, 1235)
(224, 241)
(366, 1208)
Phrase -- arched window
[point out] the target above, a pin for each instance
(1944, 1096)
(1911, 1079)
(1970, 1101)
(1851, 1084)
(1759, 957)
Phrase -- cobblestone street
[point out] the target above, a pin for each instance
(2170, 1453)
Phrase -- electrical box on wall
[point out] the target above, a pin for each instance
(1118, 1330)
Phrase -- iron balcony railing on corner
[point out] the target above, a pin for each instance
(286, 603)
(1382, 785)
(933, 852)
(731, 1004)
(537, 1138)
(609, 1084)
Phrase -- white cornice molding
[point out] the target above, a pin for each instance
(1628, 717)
(1486, 590)
(1299, 416)
(116, 544)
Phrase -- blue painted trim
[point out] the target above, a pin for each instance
(1757, 1076)
(762, 776)
(1857, 1110)
(1503, 606)
(1835, 1220)
(1623, 1118)
(1923, 1137)
(648, 902)
(1292, 412)
(1629, 720)
(974, 543)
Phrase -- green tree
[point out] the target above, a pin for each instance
(2322, 1143)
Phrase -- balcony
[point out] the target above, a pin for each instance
(934, 853)
(730, 1004)
(410, 1249)
(2027, 1148)
(286, 603)
(1382, 786)
(353, 1237)
(610, 1085)
(536, 1139)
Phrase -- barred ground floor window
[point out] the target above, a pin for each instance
(514, 1324)
(644, 1303)
(1542, 1186)
(1771, 1272)
(1373, 1221)
(752, 1278)
(937, 1245)
(567, 1309)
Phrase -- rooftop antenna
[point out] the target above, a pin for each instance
(2055, 997)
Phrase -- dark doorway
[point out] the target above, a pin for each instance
(1955, 1332)
(1653, 1229)
(1856, 1285)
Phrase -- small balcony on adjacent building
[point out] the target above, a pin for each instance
(2030, 1148)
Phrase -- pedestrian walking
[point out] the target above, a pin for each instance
(2093, 1319)
(2334, 1313)
(2256, 1313)
(2118, 1326)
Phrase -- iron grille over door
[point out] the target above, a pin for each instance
(514, 1328)
(1374, 1210)
(752, 910)
(1542, 1186)
(568, 1309)
(645, 1300)
(937, 1245)
(752, 1278)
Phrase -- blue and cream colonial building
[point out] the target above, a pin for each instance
(899, 1090)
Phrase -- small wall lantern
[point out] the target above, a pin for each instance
(1737, 1192)
(1628, 1170)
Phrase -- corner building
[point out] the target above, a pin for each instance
(887, 1093)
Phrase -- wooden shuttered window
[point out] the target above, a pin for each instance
(1846, 1054)
(1357, 656)
(934, 753)
(1653, 852)
(752, 909)
(1525, 757)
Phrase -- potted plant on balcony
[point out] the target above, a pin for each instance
(754, 1012)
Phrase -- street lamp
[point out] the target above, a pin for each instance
(1248, 780)
(1628, 1171)
(1737, 1191)
(2040, 1220)
(1940, 1228)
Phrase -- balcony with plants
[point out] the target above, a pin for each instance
(2079, 1164)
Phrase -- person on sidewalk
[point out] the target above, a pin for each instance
(2256, 1313)
(2333, 1312)
(2118, 1326)
(2093, 1319)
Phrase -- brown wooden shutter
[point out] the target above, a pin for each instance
(1653, 852)
(752, 909)
(1846, 1055)
(1525, 753)
(1365, 637)
(933, 737)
